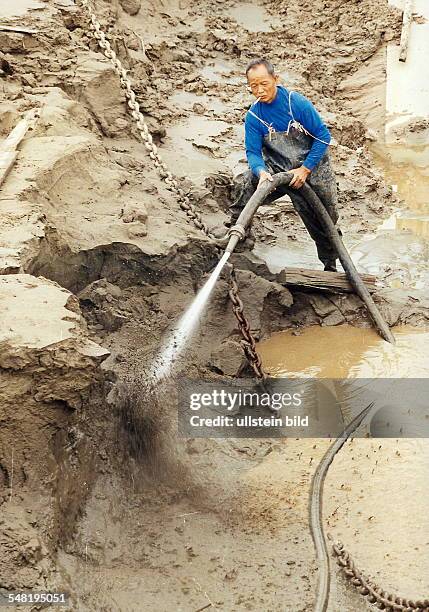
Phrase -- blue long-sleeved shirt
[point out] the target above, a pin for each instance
(277, 113)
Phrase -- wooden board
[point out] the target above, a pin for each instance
(8, 148)
(325, 281)
(18, 133)
(4, 28)
(407, 18)
(7, 159)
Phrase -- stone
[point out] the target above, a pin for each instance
(131, 7)
(228, 357)
(134, 213)
(335, 318)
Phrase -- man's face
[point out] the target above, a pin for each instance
(262, 83)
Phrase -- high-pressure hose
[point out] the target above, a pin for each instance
(315, 510)
(238, 232)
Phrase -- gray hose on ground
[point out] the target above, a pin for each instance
(347, 263)
(316, 515)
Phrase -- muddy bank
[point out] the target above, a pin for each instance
(85, 208)
(49, 370)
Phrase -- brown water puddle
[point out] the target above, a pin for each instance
(252, 17)
(345, 351)
(407, 169)
(400, 242)
(192, 149)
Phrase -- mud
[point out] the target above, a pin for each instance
(106, 501)
(20, 8)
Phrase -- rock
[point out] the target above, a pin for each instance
(131, 7)
(283, 295)
(9, 117)
(121, 124)
(100, 301)
(335, 318)
(13, 42)
(134, 213)
(228, 357)
(322, 305)
(136, 230)
(198, 108)
(29, 79)
(98, 292)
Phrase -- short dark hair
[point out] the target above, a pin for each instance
(260, 61)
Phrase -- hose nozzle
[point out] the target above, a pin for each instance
(235, 234)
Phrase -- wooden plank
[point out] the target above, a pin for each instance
(4, 28)
(336, 282)
(7, 159)
(407, 18)
(18, 133)
(8, 148)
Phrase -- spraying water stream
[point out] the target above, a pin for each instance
(183, 330)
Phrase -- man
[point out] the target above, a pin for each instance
(284, 132)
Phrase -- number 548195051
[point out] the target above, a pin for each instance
(16, 598)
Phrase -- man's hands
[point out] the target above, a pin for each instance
(299, 176)
(264, 176)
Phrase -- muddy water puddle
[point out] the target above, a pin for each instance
(220, 72)
(345, 351)
(193, 147)
(400, 247)
(298, 255)
(186, 100)
(252, 17)
(18, 8)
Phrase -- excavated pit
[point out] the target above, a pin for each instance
(98, 494)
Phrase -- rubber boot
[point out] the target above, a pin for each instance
(331, 266)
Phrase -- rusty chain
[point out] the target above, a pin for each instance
(367, 588)
(134, 107)
(248, 343)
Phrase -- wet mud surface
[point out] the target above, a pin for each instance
(143, 519)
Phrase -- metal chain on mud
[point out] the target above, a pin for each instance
(367, 588)
(248, 343)
(165, 174)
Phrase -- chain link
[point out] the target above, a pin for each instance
(367, 588)
(133, 105)
(248, 343)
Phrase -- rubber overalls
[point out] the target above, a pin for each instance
(284, 151)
